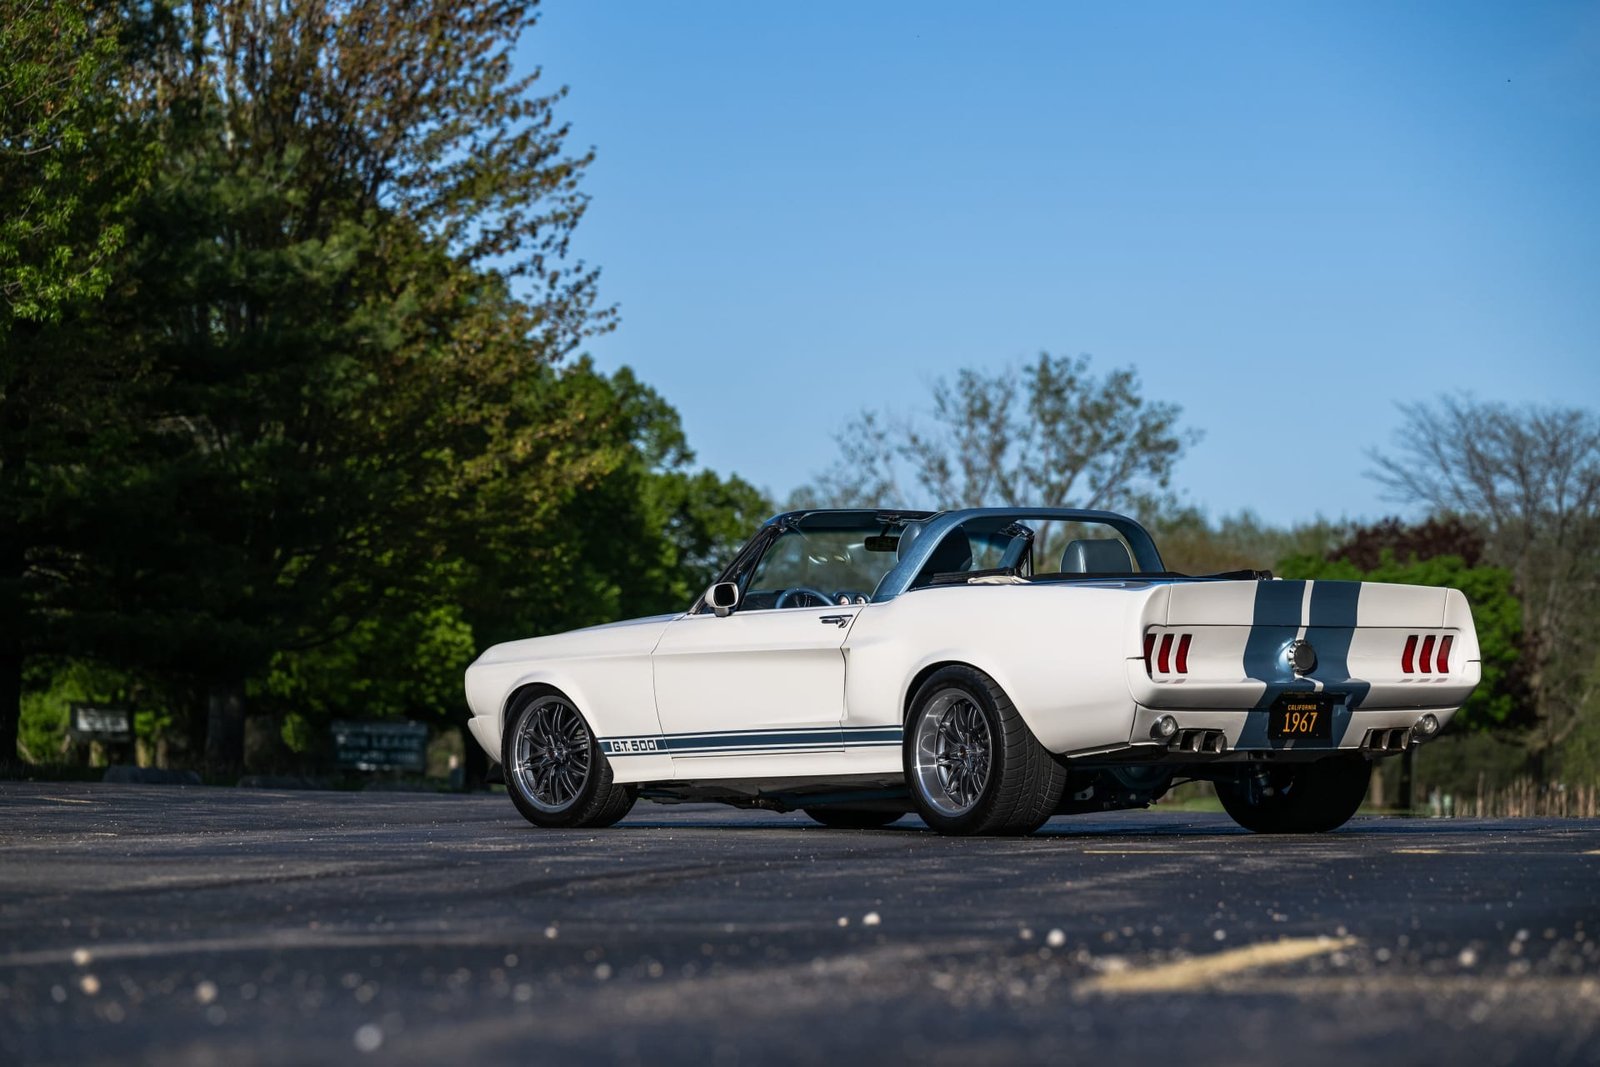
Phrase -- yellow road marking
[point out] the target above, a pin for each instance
(1418, 851)
(67, 800)
(1200, 971)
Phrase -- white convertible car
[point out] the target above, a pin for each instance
(985, 668)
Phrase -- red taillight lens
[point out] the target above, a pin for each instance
(1163, 659)
(1444, 653)
(1183, 654)
(1409, 655)
(1425, 660)
(1149, 650)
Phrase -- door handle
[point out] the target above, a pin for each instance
(837, 620)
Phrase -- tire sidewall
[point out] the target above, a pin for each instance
(1326, 795)
(599, 775)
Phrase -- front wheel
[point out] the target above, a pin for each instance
(972, 764)
(554, 770)
(1297, 798)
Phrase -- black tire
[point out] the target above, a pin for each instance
(1299, 798)
(853, 818)
(588, 800)
(1022, 783)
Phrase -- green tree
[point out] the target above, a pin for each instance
(641, 534)
(71, 155)
(323, 421)
(347, 272)
(1529, 479)
(64, 158)
(1048, 434)
(1192, 543)
(1500, 698)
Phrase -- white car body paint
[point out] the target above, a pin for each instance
(786, 694)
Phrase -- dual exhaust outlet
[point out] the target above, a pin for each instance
(1214, 742)
(1202, 742)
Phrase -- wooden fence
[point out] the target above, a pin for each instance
(1522, 799)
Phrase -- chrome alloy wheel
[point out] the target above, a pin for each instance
(954, 753)
(552, 754)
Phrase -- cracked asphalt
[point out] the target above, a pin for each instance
(143, 924)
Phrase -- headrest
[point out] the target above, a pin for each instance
(1103, 555)
(953, 554)
(908, 537)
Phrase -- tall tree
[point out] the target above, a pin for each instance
(70, 156)
(348, 271)
(1530, 477)
(1051, 433)
(638, 535)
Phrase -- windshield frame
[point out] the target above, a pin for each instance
(748, 559)
(935, 526)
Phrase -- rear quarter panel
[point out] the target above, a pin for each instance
(1059, 652)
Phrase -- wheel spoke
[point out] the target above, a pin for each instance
(953, 751)
(552, 755)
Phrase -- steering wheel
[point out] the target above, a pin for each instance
(795, 593)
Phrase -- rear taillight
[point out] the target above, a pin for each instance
(1169, 656)
(1425, 657)
(1414, 660)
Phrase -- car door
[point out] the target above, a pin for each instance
(757, 692)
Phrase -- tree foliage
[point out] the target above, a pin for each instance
(340, 430)
(1529, 478)
(1192, 543)
(70, 160)
(1049, 434)
(1500, 699)
(67, 156)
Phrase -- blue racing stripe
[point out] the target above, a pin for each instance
(1270, 633)
(1333, 615)
(689, 742)
(755, 742)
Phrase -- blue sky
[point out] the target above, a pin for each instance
(1287, 217)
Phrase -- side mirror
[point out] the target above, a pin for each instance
(723, 598)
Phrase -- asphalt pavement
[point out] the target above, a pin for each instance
(167, 925)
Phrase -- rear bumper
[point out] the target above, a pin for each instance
(1243, 734)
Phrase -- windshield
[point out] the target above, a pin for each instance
(822, 559)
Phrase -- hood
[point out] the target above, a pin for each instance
(612, 638)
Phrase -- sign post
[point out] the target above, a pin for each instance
(99, 722)
(381, 746)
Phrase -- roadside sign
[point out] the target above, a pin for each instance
(98, 722)
(380, 746)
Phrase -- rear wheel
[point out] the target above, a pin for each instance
(1298, 798)
(554, 770)
(853, 818)
(972, 764)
